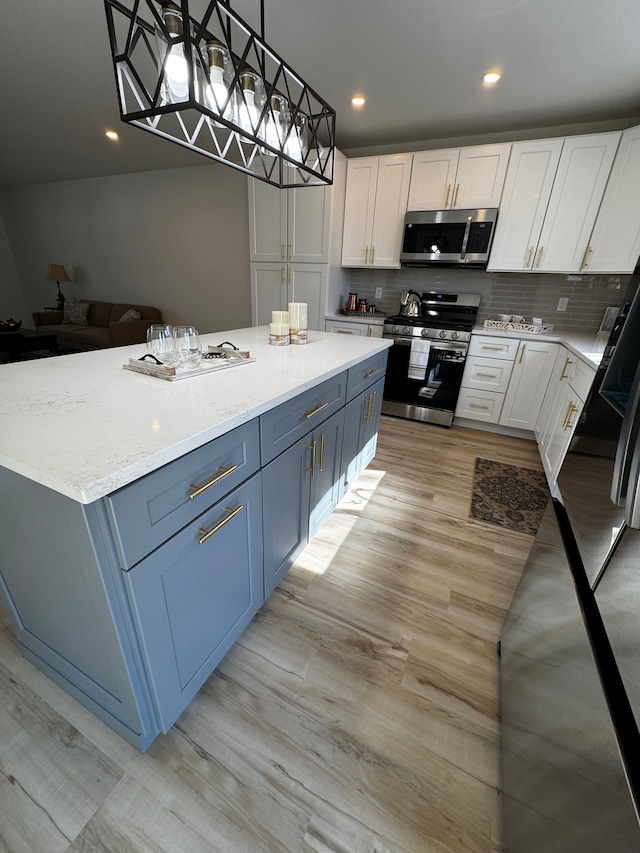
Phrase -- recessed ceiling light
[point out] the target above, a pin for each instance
(357, 101)
(111, 134)
(491, 77)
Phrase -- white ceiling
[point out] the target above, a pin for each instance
(418, 62)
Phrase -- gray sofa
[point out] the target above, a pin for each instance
(104, 327)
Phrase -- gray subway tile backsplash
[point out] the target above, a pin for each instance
(502, 293)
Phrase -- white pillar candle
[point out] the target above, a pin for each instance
(279, 328)
(297, 315)
(280, 317)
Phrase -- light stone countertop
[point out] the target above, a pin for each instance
(588, 346)
(82, 426)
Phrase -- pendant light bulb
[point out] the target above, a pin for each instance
(275, 124)
(250, 100)
(220, 73)
(176, 67)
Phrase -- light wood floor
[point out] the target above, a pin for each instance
(358, 713)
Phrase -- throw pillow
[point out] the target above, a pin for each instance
(129, 315)
(76, 313)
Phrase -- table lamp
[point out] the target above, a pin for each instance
(57, 273)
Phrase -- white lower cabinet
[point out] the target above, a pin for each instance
(354, 327)
(486, 378)
(530, 376)
(563, 403)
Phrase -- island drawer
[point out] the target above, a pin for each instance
(281, 427)
(149, 511)
(366, 373)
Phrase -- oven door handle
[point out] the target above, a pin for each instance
(451, 346)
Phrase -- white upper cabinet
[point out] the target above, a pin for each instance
(289, 225)
(458, 178)
(615, 243)
(375, 205)
(551, 197)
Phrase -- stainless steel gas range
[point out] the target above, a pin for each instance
(426, 361)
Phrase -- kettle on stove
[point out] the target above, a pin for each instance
(410, 304)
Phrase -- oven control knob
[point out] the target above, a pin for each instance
(455, 336)
(406, 331)
(442, 334)
(395, 330)
(425, 333)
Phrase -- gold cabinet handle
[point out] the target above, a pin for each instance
(571, 409)
(288, 275)
(366, 255)
(446, 201)
(317, 409)
(524, 346)
(312, 448)
(345, 332)
(289, 254)
(373, 253)
(281, 275)
(539, 258)
(565, 375)
(488, 375)
(477, 406)
(497, 349)
(205, 534)
(194, 491)
(370, 406)
(585, 260)
(372, 372)
(321, 452)
(282, 251)
(455, 198)
(527, 263)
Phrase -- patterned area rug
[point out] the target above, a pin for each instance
(508, 495)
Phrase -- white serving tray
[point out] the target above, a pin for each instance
(527, 328)
(231, 358)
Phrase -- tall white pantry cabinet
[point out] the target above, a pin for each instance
(295, 240)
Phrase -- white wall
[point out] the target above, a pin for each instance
(12, 304)
(175, 239)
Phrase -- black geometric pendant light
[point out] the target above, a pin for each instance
(216, 87)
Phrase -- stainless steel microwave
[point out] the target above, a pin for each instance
(448, 237)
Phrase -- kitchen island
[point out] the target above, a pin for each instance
(144, 522)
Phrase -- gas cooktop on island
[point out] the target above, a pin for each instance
(431, 337)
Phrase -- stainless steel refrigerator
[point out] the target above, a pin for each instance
(570, 648)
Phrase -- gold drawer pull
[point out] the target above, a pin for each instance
(372, 372)
(564, 374)
(205, 534)
(497, 349)
(195, 491)
(477, 406)
(317, 409)
(488, 375)
(345, 332)
(455, 199)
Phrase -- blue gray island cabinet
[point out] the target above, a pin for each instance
(130, 566)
